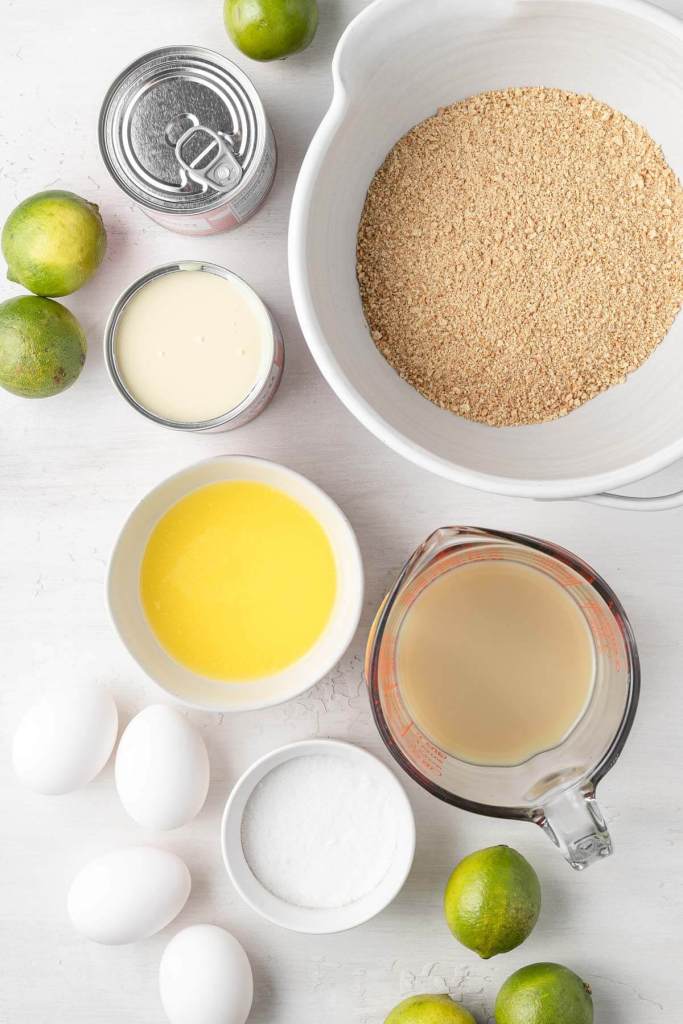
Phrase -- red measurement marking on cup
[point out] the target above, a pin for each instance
(428, 758)
(602, 628)
(560, 572)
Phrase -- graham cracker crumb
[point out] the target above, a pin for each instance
(521, 252)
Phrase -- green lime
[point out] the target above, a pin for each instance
(42, 347)
(544, 994)
(429, 1010)
(271, 29)
(492, 901)
(53, 242)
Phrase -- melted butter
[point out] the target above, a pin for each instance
(238, 581)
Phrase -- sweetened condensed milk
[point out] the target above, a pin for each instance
(183, 132)
(495, 662)
(190, 345)
(193, 347)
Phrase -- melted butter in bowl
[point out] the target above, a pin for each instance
(238, 581)
(236, 584)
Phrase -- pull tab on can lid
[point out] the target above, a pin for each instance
(215, 167)
(181, 128)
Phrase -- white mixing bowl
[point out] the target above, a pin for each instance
(395, 65)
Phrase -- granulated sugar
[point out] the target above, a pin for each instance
(521, 252)
(319, 832)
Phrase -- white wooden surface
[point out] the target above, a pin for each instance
(71, 467)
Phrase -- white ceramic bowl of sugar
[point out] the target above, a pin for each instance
(317, 920)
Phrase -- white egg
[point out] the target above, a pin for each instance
(128, 894)
(205, 978)
(162, 769)
(65, 740)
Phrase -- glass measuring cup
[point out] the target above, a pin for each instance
(556, 787)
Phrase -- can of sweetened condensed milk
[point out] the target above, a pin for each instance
(184, 133)
(191, 346)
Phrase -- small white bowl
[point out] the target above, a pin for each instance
(303, 919)
(191, 689)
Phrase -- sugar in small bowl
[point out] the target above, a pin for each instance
(318, 836)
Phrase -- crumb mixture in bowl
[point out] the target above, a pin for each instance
(521, 252)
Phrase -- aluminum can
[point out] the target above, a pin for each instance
(256, 401)
(184, 133)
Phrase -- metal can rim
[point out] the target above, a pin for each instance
(115, 169)
(116, 377)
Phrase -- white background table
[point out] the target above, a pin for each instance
(71, 468)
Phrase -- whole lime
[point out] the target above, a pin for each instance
(429, 1009)
(544, 994)
(53, 242)
(492, 901)
(42, 347)
(271, 29)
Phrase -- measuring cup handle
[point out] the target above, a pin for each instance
(575, 824)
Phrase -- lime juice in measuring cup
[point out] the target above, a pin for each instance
(504, 679)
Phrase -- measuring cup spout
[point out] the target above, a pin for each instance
(575, 824)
